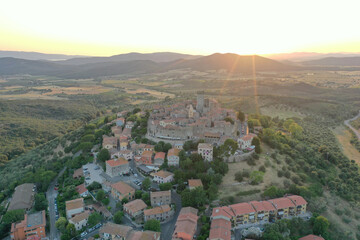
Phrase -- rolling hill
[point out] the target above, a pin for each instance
(335, 61)
(155, 57)
(230, 62)
(37, 55)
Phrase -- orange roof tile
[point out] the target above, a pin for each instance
(173, 152)
(195, 183)
(311, 237)
(297, 200)
(281, 203)
(117, 162)
(163, 174)
(262, 206)
(136, 205)
(160, 155)
(122, 187)
(81, 188)
(242, 208)
(220, 229)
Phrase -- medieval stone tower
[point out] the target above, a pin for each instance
(200, 102)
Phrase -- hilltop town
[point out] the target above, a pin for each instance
(139, 183)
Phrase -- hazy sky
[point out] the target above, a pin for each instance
(108, 27)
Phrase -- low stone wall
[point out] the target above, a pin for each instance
(239, 158)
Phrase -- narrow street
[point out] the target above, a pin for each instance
(168, 228)
(51, 195)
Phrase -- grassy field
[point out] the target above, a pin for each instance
(344, 136)
(230, 187)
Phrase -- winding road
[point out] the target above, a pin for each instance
(347, 123)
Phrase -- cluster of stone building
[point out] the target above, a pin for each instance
(116, 231)
(228, 217)
(181, 122)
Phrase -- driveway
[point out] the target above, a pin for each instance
(51, 195)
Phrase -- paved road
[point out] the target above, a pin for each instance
(51, 196)
(347, 123)
(168, 228)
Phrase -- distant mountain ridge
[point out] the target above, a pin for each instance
(335, 61)
(37, 55)
(155, 57)
(307, 56)
(108, 67)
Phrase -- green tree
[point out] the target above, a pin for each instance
(241, 116)
(85, 146)
(40, 202)
(256, 177)
(13, 216)
(118, 217)
(106, 201)
(256, 142)
(321, 225)
(71, 230)
(146, 184)
(104, 155)
(295, 129)
(94, 186)
(61, 224)
(287, 123)
(138, 194)
(152, 225)
(124, 200)
(166, 147)
(100, 195)
(165, 186)
(94, 219)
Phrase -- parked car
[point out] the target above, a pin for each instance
(98, 225)
(83, 234)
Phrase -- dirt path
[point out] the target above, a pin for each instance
(343, 136)
(347, 123)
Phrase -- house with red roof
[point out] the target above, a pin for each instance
(116, 167)
(220, 229)
(311, 237)
(264, 210)
(159, 158)
(284, 206)
(300, 204)
(82, 190)
(244, 213)
(244, 142)
(186, 224)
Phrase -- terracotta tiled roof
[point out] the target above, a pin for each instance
(281, 203)
(173, 152)
(223, 211)
(195, 183)
(248, 137)
(147, 154)
(163, 174)
(117, 162)
(160, 155)
(311, 237)
(160, 194)
(262, 206)
(81, 188)
(297, 200)
(78, 173)
(79, 217)
(242, 208)
(220, 229)
(115, 229)
(74, 204)
(205, 145)
(157, 210)
(122, 187)
(136, 205)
